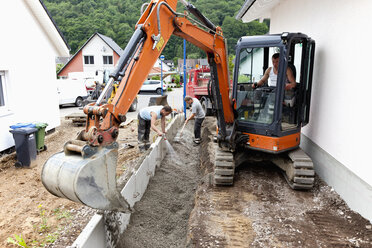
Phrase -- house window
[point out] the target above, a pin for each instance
(2, 89)
(107, 60)
(4, 93)
(89, 60)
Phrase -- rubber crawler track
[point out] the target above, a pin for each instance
(224, 168)
(303, 167)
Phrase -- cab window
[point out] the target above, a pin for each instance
(254, 104)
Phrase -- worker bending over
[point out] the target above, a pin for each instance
(146, 119)
(197, 113)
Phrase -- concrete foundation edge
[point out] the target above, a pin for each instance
(352, 189)
(95, 233)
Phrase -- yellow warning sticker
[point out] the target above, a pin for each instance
(160, 44)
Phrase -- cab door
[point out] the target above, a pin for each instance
(296, 108)
(308, 79)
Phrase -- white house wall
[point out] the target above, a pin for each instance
(28, 59)
(340, 117)
(97, 48)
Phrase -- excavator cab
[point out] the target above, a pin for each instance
(269, 116)
(272, 110)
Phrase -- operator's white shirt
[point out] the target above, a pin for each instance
(273, 78)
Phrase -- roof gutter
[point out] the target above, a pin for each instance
(247, 5)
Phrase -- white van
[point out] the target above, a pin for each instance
(71, 92)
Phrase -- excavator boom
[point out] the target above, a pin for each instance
(85, 171)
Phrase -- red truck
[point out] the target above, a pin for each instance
(197, 86)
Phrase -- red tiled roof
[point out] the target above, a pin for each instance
(156, 70)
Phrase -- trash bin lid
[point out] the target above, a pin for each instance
(20, 125)
(40, 125)
(24, 130)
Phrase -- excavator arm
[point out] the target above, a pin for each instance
(153, 30)
(94, 152)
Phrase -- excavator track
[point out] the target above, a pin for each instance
(301, 174)
(224, 168)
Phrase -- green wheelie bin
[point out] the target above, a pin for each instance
(40, 136)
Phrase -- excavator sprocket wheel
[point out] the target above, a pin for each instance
(224, 168)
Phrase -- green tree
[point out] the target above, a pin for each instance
(233, 30)
(59, 67)
(231, 64)
(80, 19)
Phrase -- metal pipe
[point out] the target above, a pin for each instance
(74, 148)
(78, 142)
(184, 76)
(105, 91)
(143, 7)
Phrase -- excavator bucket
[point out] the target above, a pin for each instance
(90, 181)
(158, 100)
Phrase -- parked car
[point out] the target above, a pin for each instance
(153, 86)
(71, 92)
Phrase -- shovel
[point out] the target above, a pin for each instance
(177, 139)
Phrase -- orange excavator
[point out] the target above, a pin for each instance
(253, 122)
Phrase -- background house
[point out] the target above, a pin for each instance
(167, 75)
(191, 64)
(338, 136)
(28, 48)
(98, 53)
(156, 71)
(169, 63)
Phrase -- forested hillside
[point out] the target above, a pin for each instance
(79, 19)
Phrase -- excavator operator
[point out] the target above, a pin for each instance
(272, 73)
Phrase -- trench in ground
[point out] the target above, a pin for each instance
(179, 209)
(161, 217)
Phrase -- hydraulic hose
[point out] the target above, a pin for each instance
(193, 10)
(158, 14)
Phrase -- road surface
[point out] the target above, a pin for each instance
(175, 100)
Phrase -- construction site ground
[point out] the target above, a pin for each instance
(180, 207)
(29, 210)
